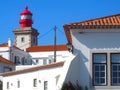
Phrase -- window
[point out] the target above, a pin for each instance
(8, 85)
(18, 84)
(37, 61)
(45, 85)
(16, 58)
(50, 61)
(34, 82)
(44, 61)
(23, 60)
(99, 69)
(7, 68)
(22, 39)
(115, 69)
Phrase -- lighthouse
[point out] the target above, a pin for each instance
(25, 36)
(26, 18)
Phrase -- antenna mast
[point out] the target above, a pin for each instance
(55, 43)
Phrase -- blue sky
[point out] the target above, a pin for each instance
(48, 13)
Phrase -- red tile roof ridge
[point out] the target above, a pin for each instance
(4, 45)
(93, 19)
(41, 67)
(59, 47)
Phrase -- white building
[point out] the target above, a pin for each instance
(40, 77)
(37, 78)
(45, 54)
(97, 44)
(14, 54)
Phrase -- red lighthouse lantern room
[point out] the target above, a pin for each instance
(26, 18)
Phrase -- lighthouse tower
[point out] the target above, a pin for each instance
(26, 18)
(26, 35)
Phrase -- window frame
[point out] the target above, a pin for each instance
(93, 71)
(113, 63)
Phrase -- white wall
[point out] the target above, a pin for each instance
(24, 44)
(4, 52)
(86, 42)
(26, 79)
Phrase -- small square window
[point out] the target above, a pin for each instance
(22, 39)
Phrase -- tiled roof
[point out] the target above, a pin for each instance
(6, 45)
(48, 66)
(112, 21)
(61, 47)
(3, 60)
(107, 20)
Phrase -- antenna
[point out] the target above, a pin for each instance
(55, 43)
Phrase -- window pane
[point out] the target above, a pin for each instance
(102, 68)
(115, 74)
(114, 67)
(114, 80)
(115, 58)
(119, 68)
(96, 74)
(119, 80)
(100, 74)
(99, 58)
(96, 68)
(96, 81)
(102, 80)
(118, 74)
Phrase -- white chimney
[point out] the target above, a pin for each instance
(9, 42)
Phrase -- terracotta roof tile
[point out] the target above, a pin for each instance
(6, 45)
(100, 21)
(61, 47)
(3, 60)
(48, 66)
(106, 22)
